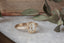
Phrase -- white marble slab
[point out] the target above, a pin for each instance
(45, 32)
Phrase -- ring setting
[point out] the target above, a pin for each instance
(30, 26)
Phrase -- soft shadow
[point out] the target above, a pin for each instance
(6, 20)
(62, 29)
(41, 29)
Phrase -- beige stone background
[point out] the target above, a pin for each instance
(20, 5)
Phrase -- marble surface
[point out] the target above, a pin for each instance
(44, 34)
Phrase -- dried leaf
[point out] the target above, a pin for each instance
(57, 0)
(47, 8)
(30, 12)
(57, 29)
(53, 19)
(62, 15)
(60, 22)
(53, 12)
(41, 17)
(56, 12)
(62, 19)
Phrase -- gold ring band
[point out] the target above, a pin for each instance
(30, 26)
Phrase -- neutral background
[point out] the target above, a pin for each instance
(20, 5)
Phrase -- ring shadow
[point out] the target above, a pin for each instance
(41, 29)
